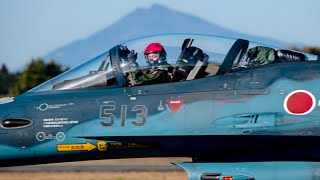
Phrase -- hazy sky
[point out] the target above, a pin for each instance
(32, 28)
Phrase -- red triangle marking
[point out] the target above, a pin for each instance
(175, 104)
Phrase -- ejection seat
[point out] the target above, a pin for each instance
(289, 56)
(261, 55)
(191, 63)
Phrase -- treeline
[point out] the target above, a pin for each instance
(308, 49)
(36, 72)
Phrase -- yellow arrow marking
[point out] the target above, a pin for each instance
(76, 147)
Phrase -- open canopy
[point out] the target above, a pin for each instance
(190, 56)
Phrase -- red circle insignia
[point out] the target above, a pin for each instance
(299, 102)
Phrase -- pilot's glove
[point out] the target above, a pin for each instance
(123, 48)
(132, 56)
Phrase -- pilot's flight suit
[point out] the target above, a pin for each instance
(158, 75)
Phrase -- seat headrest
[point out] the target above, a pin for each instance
(287, 56)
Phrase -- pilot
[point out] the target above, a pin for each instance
(159, 72)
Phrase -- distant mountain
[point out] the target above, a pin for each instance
(138, 24)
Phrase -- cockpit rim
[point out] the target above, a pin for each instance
(120, 81)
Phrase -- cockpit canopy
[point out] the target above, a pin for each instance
(189, 57)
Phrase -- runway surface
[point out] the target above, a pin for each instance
(117, 165)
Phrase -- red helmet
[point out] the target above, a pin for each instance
(156, 48)
(153, 47)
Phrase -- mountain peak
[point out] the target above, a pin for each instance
(155, 10)
(137, 24)
(158, 7)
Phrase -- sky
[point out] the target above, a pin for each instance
(30, 29)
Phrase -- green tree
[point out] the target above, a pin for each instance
(37, 72)
(4, 80)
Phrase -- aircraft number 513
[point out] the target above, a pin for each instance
(105, 113)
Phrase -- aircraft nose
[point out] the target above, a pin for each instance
(3, 137)
(2, 131)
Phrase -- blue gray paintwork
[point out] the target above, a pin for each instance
(212, 124)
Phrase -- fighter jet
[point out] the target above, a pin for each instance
(240, 109)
